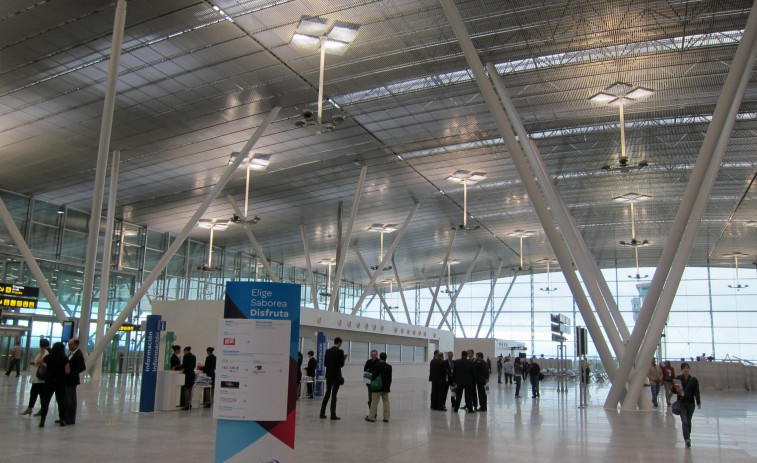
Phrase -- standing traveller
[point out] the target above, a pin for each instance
(381, 392)
(534, 372)
(56, 363)
(370, 364)
(668, 373)
(518, 371)
(188, 365)
(482, 379)
(73, 378)
(465, 382)
(455, 395)
(16, 353)
(209, 368)
(175, 360)
(507, 366)
(499, 369)
(310, 371)
(38, 377)
(438, 375)
(655, 380)
(688, 393)
(333, 360)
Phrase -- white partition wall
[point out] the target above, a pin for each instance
(407, 346)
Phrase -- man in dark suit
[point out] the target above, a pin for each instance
(482, 379)
(333, 360)
(438, 377)
(77, 366)
(465, 382)
(188, 365)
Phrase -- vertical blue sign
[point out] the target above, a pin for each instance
(321, 344)
(150, 364)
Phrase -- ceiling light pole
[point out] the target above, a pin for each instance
(636, 244)
(382, 228)
(622, 94)
(738, 286)
(315, 32)
(522, 234)
(466, 178)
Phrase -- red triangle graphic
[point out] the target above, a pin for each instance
(282, 430)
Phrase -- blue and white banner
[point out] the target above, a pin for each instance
(256, 374)
(150, 364)
(321, 344)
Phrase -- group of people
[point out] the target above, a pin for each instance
(187, 364)
(57, 373)
(468, 378)
(379, 385)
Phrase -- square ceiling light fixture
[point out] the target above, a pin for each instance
(315, 32)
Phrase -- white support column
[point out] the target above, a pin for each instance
(378, 291)
(613, 323)
(438, 306)
(102, 303)
(26, 253)
(102, 164)
(346, 239)
(399, 287)
(309, 266)
(385, 259)
(459, 288)
(489, 299)
(253, 241)
(191, 223)
(550, 230)
(441, 276)
(708, 161)
(504, 299)
(743, 64)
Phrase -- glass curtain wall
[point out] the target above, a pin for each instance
(708, 315)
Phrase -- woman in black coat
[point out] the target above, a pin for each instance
(209, 368)
(55, 382)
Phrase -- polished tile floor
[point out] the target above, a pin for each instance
(551, 428)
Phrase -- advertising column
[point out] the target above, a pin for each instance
(256, 374)
(150, 364)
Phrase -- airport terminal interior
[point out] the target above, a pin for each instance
(482, 167)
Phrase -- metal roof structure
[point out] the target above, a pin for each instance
(197, 78)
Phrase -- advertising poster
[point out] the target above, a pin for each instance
(256, 374)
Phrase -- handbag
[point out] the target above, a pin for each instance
(42, 372)
(377, 384)
(676, 407)
(541, 376)
(340, 380)
(367, 375)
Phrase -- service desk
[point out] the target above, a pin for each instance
(168, 390)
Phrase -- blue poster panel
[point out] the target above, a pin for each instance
(261, 320)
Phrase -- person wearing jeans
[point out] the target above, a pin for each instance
(655, 380)
(688, 394)
(518, 371)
